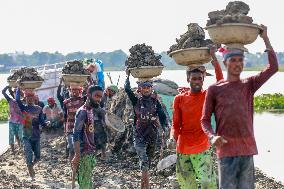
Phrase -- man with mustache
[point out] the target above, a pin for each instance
(231, 101)
(89, 119)
(194, 161)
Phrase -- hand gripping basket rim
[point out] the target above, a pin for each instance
(191, 56)
(147, 71)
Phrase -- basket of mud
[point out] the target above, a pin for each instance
(146, 72)
(114, 122)
(233, 35)
(191, 56)
(30, 84)
(74, 79)
(12, 83)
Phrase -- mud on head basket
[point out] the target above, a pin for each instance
(233, 35)
(145, 73)
(78, 79)
(191, 56)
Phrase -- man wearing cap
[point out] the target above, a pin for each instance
(15, 120)
(32, 119)
(53, 114)
(194, 161)
(71, 105)
(231, 101)
(147, 110)
(89, 118)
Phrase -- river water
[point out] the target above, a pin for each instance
(268, 127)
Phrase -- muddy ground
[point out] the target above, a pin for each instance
(121, 172)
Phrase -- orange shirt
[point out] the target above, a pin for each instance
(186, 128)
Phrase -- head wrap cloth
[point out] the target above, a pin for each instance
(228, 53)
(113, 88)
(145, 84)
(51, 100)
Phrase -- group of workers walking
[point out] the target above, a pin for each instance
(220, 118)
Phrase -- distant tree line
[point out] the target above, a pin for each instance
(112, 60)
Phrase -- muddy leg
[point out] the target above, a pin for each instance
(145, 180)
(18, 141)
(12, 148)
(103, 155)
(31, 171)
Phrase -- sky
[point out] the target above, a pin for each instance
(106, 25)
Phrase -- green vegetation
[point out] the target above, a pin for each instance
(269, 102)
(4, 110)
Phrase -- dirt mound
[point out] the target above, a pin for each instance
(142, 55)
(25, 74)
(193, 37)
(74, 67)
(122, 172)
(235, 12)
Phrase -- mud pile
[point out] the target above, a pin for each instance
(25, 74)
(142, 55)
(193, 37)
(74, 67)
(53, 171)
(235, 12)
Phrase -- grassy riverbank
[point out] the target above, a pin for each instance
(269, 102)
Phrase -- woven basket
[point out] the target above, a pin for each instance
(114, 122)
(30, 84)
(191, 56)
(12, 83)
(146, 72)
(74, 79)
(234, 35)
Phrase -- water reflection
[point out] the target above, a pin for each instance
(269, 129)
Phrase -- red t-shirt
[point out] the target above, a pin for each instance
(232, 104)
(186, 128)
